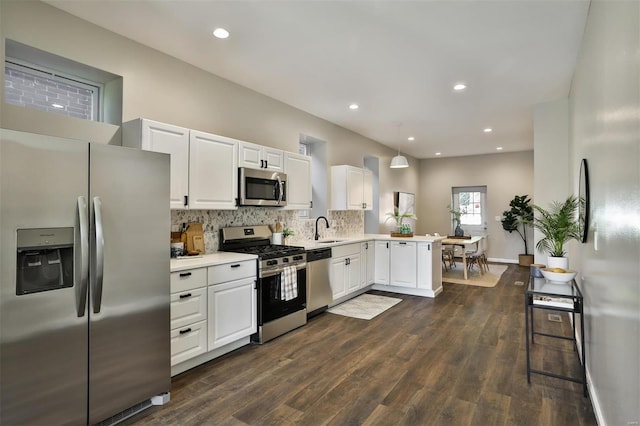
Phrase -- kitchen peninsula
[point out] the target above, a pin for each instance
(406, 265)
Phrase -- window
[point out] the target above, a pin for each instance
(37, 79)
(33, 86)
(471, 201)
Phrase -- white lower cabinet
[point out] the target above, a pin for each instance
(345, 270)
(367, 253)
(188, 317)
(232, 311)
(211, 307)
(381, 269)
(188, 342)
(429, 266)
(188, 307)
(403, 264)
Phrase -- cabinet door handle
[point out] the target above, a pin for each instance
(402, 243)
(185, 274)
(185, 331)
(266, 164)
(235, 265)
(428, 247)
(186, 200)
(184, 296)
(387, 244)
(366, 246)
(262, 164)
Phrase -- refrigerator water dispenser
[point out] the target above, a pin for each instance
(44, 259)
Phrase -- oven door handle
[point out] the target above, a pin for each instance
(272, 272)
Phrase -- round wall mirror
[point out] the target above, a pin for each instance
(583, 194)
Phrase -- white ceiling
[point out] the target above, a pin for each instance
(397, 59)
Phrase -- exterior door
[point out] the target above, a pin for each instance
(129, 358)
(43, 335)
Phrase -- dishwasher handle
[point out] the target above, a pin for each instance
(318, 254)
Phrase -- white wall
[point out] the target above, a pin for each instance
(605, 129)
(162, 88)
(551, 156)
(505, 175)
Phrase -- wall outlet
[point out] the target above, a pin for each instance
(498, 218)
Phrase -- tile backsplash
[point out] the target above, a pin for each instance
(341, 223)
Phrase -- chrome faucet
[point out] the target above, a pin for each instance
(326, 221)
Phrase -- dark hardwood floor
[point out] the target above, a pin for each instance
(458, 359)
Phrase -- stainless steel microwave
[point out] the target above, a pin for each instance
(261, 188)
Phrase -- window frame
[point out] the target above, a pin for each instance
(455, 202)
(42, 71)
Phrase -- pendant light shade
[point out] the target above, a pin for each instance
(399, 162)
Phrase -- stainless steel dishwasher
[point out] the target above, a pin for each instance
(319, 293)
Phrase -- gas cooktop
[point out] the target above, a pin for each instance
(255, 240)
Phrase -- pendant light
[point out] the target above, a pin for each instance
(399, 161)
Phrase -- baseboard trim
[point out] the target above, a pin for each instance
(499, 260)
(593, 394)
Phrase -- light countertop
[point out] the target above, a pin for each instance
(337, 241)
(218, 258)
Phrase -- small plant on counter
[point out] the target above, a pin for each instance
(286, 232)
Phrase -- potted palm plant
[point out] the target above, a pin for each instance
(518, 219)
(401, 229)
(558, 226)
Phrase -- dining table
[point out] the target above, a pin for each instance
(465, 243)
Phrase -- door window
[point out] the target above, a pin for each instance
(471, 201)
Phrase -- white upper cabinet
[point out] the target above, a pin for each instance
(298, 170)
(260, 157)
(367, 189)
(203, 166)
(213, 176)
(348, 188)
(166, 138)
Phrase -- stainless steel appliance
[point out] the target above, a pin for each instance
(84, 270)
(261, 188)
(280, 307)
(319, 294)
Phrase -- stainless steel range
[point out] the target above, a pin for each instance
(282, 277)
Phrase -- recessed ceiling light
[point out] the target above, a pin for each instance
(221, 33)
(488, 130)
(57, 106)
(460, 86)
(411, 138)
(438, 153)
(354, 106)
(499, 148)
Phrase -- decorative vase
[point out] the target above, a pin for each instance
(459, 232)
(558, 262)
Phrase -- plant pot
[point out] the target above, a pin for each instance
(558, 262)
(525, 259)
(459, 232)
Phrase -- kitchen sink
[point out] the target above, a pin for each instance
(329, 241)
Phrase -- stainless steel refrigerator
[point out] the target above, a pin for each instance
(84, 270)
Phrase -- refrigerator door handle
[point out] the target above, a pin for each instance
(99, 255)
(83, 221)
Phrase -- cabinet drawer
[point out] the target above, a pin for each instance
(188, 306)
(188, 279)
(345, 250)
(232, 271)
(188, 342)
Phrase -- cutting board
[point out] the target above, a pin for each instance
(195, 238)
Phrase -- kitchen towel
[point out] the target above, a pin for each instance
(289, 283)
